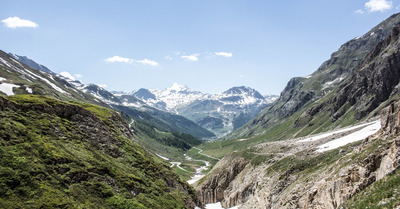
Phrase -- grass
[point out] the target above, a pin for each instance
(384, 193)
(48, 161)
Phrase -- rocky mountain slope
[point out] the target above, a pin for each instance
(58, 154)
(292, 174)
(274, 167)
(307, 97)
(219, 113)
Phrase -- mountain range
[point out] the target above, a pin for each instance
(219, 113)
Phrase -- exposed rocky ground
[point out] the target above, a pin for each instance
(290, 174)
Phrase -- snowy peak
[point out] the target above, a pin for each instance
(219, 113)
(177, 88)
(245, 91)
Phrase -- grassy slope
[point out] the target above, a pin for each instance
(48, 162)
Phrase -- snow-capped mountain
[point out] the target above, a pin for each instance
(219, 113)
(170, 99)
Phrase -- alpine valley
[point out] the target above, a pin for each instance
(330, 140)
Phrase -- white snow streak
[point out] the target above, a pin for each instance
(356, 136)
(318, 137)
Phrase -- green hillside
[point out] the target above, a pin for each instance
(57, 154)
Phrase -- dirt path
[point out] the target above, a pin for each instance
(200, 152)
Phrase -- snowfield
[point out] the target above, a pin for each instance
(324, 135)
(353, 137)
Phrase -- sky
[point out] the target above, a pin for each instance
(208, 45)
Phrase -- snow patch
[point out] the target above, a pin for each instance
(218, 205)
(2, 79)
(29, 90)
(7, 88)
(356, 136)
(321, 136)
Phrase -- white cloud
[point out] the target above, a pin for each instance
(147, 62)
(118, 59)
(16, 22)
(359, 11)
(378, 5)
(67, 75)
(193, 57)
(128, 60)
(102, 85)
(224, 54)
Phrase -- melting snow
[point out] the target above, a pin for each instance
(2, 79)
(7, 88)
(218, 205)
(318, 137)
(356, 136)
(29, 90)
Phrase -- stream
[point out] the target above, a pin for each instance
(199, 172)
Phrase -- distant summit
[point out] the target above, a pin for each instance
(144, 94)
(177, 87)
(244, 91)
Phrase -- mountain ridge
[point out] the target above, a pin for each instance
(220, 113)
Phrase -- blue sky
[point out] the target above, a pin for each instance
(209, 46)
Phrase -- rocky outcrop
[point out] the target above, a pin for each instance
(373, 81)
(213, 189)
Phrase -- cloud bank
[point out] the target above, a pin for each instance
(118, 59)
(378, 5)
(16, 22)
(193, 57)
(128, 60)
(147, 62)
(223, 54)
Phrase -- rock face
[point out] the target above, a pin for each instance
(213, 190)
(373, 81)
(304, 179)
